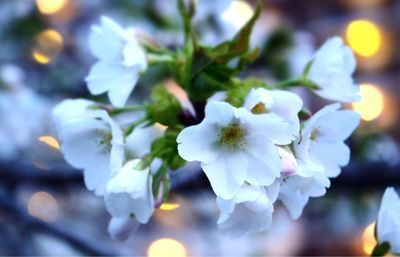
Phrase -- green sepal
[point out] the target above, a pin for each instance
(239, 45)
(166, 148)
(164, 107)
(237, 94)
(212, 69)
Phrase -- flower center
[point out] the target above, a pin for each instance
(315, 134)
(232, 136)
(259, 108)
(104, 142)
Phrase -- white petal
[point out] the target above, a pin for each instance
(106, 42)
(309, 124)
(134, 55)
(340, 123)
(268, 127)
(130, 192)
(97, 175)
(388, 213)
(226, 206)
(227, 173)
(198, 143)
(80, 142)
(332, 70)
(130, 180)
(287, 105)
(252, 212)
(294, 202)
(264, 163)
(244, 221)
(119, 95)
(112, 77)
(121, 228)
(71, 109)
(139, 141)
(393, 238)
(256, 96)
(220, 113)
(332, 156)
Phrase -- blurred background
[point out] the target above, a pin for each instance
(44, 57)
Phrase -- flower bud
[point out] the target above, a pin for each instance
(289, 163)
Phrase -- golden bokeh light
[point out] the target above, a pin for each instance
(50, 6)
(48, 45)
(166, 247)
(364, 37)
(43, 206)
(372, 102)
(50, 141)
(169, 206)
(368, 239)
(238, 13)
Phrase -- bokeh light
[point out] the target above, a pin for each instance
(50, 6)
(169, 206)
(43, 206)
(238, 13)
(166, 247)
(48, 45)
(372, 102)
(50, 141)
(368, 239)
(364, 37)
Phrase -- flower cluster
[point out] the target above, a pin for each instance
(256, 142)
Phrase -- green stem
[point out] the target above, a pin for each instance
(157, 59)
(131, 108)
(299, 82)
(132, 126)
(289, 83)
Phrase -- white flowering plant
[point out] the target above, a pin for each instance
(256, 142)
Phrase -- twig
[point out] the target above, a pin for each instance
(32, 224)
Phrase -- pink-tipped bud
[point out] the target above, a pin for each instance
(289, 163)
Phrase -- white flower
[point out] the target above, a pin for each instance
(94, 143)
(121, 228)
(234, 146)
(296, 190)
(130, 192)
(320, 147)
(285, 104)
(121, 61)
(248, 212)
(388, 224)
(332, 69)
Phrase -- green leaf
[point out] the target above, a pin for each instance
(240, 43)
(164, 107)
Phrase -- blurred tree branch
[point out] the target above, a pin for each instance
(30, 225)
